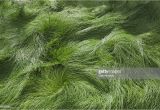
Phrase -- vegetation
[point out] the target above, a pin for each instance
(51, 50)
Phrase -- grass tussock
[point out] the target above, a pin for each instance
(50, 51)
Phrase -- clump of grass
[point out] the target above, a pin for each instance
(51, 50)
(126, 50)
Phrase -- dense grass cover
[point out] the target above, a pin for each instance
(51, 50)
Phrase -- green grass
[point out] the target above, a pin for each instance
(51, 50)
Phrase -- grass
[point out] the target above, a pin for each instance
(50, 52)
